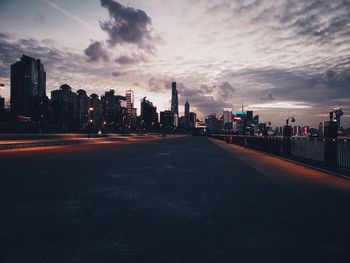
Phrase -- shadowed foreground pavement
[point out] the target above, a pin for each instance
(179, 200)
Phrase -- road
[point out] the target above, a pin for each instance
(189, 199)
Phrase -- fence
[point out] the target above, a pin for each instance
(330, 154)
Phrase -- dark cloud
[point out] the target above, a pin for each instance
(226, 90)
(299, 85)
(318, 20)
(330, 73)
(127, 25)
(206, 89)
(132, 59)
(96, 52)
(200, 100)
(60, 64)
(117, 73)
(269, 96)
(4, 35)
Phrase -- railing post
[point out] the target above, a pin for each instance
(331, 146)
(287, 144)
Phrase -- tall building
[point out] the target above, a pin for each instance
(82, 107)
(129, 101)
(192, 118)
(109, 104)
(64, 105)
(149, 114)
(121, 110)
(174, 99)
(97, 109)
(28, 86)
(212, 123)
(227, 116)
(187, 108)
(167, 120)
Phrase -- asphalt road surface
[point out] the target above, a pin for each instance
(188, 199)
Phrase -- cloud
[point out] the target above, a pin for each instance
(61, 64)
(322, 90)
(96, 52)
(269, 96)
(160, 85)
(206, 89)
(133, 59)
(127, 25)
(117, 73)
(226, 90)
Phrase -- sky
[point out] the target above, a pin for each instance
(282, 58)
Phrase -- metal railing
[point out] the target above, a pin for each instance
(330, 154)
(343, 160)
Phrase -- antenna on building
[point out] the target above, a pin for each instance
(242, 105)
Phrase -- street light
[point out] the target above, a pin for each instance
(290, 118)
(91, 109)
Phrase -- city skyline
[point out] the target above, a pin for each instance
(280, 65)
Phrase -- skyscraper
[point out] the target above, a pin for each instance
(28, 86)
(129, 101)
(187, 108)
(174, 99)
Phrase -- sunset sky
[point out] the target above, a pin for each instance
(283, 58)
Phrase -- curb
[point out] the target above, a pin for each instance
(39, 144)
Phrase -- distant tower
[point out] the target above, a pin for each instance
(174, 99)
(129, 101)
(187, 108)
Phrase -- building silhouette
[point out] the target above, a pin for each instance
(129, 95)
(64, 105)
(28, 86)
(174, 99)
(96, 111)
(187, 108)
(2, 104)
(212, 123)
(192, 118)
(149, 115)
(82, 107)
(167, 120)
(109, 103)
